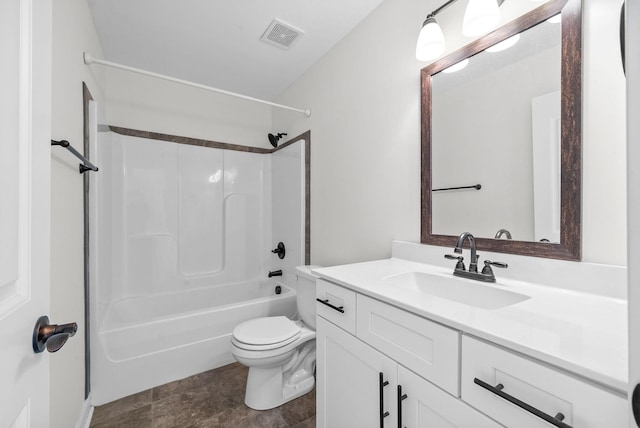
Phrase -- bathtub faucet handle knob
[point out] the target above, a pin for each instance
(279, 250)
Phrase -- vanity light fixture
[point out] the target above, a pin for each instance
(430, 41)
(505, 44)
(480, 17)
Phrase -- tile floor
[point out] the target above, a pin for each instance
(211, 399)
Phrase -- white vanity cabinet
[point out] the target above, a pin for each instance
(359, 385)
(382, 366)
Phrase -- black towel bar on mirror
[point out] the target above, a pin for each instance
(86, 165)
(475, 186)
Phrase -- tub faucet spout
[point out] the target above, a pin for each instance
(275, 273)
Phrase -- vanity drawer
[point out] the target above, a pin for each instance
(546, 389)
(336, 304)
(429, 349)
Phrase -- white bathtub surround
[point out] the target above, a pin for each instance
(181, 246)
(287, 213)
(580, 327)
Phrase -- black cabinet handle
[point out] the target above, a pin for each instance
(326, 302)
(498, 390)
(401, 397)
(383, 414)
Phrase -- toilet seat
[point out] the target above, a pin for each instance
(265, 333)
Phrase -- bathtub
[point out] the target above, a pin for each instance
(143, 342)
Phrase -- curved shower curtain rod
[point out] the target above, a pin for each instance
(89, 59)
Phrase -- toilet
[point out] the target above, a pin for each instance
(280, 353)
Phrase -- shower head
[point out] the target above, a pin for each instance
(273, 139)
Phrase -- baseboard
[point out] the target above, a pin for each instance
(84, 419)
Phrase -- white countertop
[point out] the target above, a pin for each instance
(583, 333)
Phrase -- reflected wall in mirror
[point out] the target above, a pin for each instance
(509, 121)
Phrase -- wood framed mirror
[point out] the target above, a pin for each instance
(467, 155)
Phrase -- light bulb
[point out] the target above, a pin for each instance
(480, 17)
(430, 41)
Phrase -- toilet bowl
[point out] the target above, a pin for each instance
(280, 353)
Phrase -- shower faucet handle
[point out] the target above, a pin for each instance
(279, 250)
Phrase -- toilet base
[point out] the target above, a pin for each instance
(268, 388)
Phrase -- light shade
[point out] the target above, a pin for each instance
(430, 41)
(480, 17)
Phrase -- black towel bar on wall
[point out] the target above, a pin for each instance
(85, 165)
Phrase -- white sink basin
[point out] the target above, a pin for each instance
(466, 291)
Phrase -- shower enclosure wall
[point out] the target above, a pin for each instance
(181, 240)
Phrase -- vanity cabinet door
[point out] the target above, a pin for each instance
(427, 406)
(348, 381)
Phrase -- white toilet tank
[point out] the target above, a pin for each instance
(306, 294)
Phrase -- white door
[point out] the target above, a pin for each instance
(633, 199)
(348, 381)
(25, 111)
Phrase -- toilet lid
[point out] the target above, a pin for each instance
(266, 331)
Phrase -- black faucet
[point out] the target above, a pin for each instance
(487, 273)
(473, 265)
(275, 273)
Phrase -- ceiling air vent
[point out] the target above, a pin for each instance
(281, 34)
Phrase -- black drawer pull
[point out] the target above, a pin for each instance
(401, 397)
(498, 390)
(383, 414)
(326, 302)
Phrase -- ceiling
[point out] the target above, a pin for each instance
(217, 42)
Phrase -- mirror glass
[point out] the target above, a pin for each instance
(507, 129)
(496, 123)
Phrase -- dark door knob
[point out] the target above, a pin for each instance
(51, 336)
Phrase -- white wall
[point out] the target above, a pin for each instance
(140, 102)
(604, 174)
(365, 101)
(73, 32)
